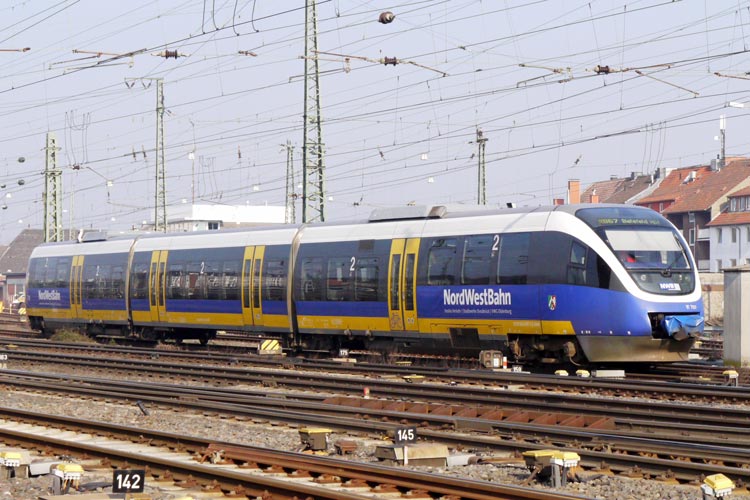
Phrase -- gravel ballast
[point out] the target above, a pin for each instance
(281, 437)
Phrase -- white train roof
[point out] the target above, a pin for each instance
(279, 235)
(70, 248)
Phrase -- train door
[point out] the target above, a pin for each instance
(247, 287)
(157, 288)
(402, 277)
(76, 275)
(256, 299)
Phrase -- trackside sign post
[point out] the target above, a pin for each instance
(405, 436)
(128, 481)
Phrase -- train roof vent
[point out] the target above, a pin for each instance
(408, 212)
(87, 237)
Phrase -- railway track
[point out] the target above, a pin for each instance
(626, 446)
(696, 384)
(244, 471)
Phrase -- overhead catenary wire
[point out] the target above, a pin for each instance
(405, 112)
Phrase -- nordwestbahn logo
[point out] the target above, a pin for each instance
(486, 297)
(49, 295)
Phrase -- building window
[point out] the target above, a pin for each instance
(719, 237)
(661, 206)
(213, 226)
(734, 234)
(733, 262)
(733, 204)
(691, 236)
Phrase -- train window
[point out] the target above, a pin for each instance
(246, 283)
(577, 264)
(96, 281)
(214, 290)
(34, 277)
(195, 280)
(514, 259)
(62, 280)
(311, 279)
(256, 283)
(139, 280)
(176, 281)
(395, 268)
(409, 279)
(339, 279)
(441, 260)
(477, 260)
(153, 284)
(366, 279)
(162, 271)
(231, 280)
(118, 282)
(88, 284)
(50, 272)
(274, 279)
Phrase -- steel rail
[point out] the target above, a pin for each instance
(693, 387)
(619, 452)
(533, 400)
(256, 485)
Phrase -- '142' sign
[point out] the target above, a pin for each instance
(128, 481)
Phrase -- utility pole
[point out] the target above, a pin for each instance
(160, 192)
(723, 137)
(291, 197)
(52, 192)
(482, 178)
(313, 178)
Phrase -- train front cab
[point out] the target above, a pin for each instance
(49, 291)
(79, 286)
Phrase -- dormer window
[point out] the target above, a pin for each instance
(739, 204)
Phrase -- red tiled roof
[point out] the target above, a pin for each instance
(602, 189)
(731, 219)
(699, 194)
(741, 192)
(630, 188)
(616, 190)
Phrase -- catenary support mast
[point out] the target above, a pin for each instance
(313, 171)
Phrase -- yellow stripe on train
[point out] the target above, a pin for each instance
(439, 326)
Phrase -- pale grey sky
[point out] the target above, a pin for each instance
(524, 71)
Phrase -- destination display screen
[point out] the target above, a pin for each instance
(621, 216)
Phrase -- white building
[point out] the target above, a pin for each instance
(730, 233)
(187, 218)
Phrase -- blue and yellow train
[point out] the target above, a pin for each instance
(596, 283)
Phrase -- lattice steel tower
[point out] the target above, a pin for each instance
(52, 192)
(481, 169)
(313, 172)
(290, 216)
(160, 205)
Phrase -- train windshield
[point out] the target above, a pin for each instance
(647, 245)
